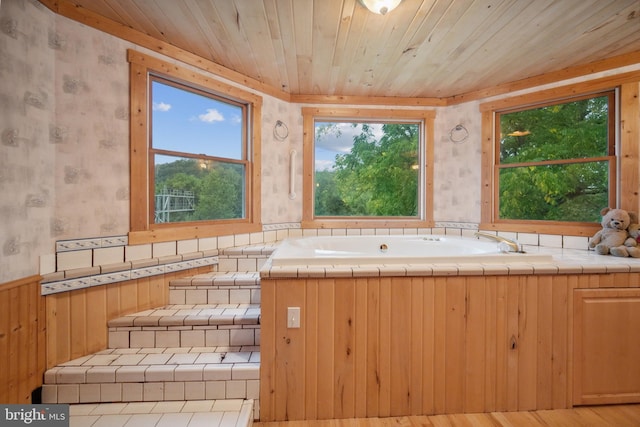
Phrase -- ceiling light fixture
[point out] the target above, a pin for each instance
(381, 7)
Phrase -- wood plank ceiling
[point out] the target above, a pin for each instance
(424, 48)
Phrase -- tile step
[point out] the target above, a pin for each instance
(187, 326)
(216, 288)
(169, 374)
(221, 413)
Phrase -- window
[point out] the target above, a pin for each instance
(198, 154)
(367, 166)
(556, 162)
(583, 157)
(194, 154)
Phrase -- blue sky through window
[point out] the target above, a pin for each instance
(187, 122)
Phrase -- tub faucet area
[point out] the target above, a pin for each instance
(504, 244)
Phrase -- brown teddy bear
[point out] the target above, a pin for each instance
(615, 223)
(631, 245)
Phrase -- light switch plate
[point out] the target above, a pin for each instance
(293, 317)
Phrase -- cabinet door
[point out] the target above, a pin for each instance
(606, 353)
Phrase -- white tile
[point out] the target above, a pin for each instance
(236, 389)
(187, 246)
(157, 373)
(228, 405)
(142, 339)
(174, 391)
(192, 338)
(143, 420)
(217, 372)
(83, 420)
(132, 392)
(128, 359)
(138, 408)
(241, 337)
(168, 339)
(194, 390)
(153, 392)
(162, 249)
(174, 420)
(108, 408)
(137, 252)
(198, 406)
(82, 409)
(205, 419)
(104, 256)
(90, 393)
(47, 264)
(167, 407)
(112, 421)
(215, 390)
(119, 339)
(207, 243)
(68, 393)
(177, 296)
(111, 392)
(74, 259)
(188, 373)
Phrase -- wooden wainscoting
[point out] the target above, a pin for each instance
(394, 346)
(22, 339)
(77, 320)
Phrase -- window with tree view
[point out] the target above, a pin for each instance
(557, 162)
(198, 154)
(367, 169)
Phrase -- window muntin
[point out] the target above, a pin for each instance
(367, 168)
(556, 162)
(197, 155)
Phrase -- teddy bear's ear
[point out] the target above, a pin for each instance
(634, 217)
(604, 211)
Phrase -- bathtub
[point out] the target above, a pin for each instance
(356, 250)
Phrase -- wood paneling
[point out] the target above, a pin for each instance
(378, 347)
(323, 50)
(607, 348)
(21, 340)
(601, 416)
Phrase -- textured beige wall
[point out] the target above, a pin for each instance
(64, 148)
(27, 154)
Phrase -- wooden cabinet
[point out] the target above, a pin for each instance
(606, 361)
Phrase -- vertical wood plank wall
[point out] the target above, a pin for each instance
(22, 343)
(390, 346)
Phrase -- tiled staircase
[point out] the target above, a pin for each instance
(203, 346)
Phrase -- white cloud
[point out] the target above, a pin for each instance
(161, 106)
(212, 115)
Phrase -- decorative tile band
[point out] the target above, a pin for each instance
(93, 243)
(120, 276)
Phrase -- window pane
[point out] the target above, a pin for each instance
(195, 189)
(570, 192)
(366, 169)
(577, 129)
(187, 122)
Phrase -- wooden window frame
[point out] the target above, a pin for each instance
(310, 115)
(142, 230)
(625, 181)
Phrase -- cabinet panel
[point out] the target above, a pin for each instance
(606, 346)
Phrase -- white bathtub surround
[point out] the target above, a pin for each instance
(396, 249)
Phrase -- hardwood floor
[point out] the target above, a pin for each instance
(592, 416)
